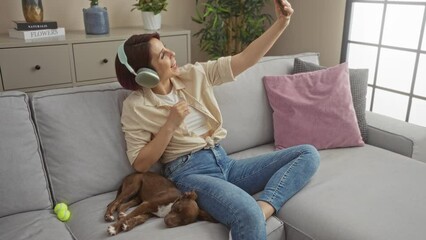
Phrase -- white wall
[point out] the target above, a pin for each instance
(317, 25)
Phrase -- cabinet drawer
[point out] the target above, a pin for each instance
(35, 66)
(95, 60)
(178, 44)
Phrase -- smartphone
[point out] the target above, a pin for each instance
(281, 5)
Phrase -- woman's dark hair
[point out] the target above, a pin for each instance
(137, 49)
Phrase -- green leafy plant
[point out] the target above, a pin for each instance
(94, 2)
(229, 25)
(155, 6)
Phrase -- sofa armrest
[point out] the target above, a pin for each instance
(397, 136)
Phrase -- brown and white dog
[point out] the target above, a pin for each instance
(157, 196)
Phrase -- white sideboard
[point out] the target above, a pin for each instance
(78, 59)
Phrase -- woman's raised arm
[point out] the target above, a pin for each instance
(261, 45)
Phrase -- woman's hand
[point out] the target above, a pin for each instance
(152, 152)
(258, 48)
(283, 11)
(177, 114)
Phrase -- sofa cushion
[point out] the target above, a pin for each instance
(314, 108)
(23, 183)
(35, 225)
(357, 193)
(360, 193)
(82, 141)
(248, 129)
(87, 223)
(358, 79)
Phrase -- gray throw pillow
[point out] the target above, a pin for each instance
(358, 80)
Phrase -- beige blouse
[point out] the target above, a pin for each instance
(144, 113)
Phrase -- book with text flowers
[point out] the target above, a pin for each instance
(36, 34)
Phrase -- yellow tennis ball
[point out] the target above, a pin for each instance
(64, 215)
(59, 207)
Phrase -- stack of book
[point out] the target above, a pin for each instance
(38, 30)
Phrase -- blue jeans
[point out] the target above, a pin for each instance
(224, 186)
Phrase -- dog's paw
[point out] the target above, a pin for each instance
(112, 231)
(109, 218)
(121, 215)
(125, 226)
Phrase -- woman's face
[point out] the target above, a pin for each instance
(163, 60)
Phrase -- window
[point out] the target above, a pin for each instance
(388, 37)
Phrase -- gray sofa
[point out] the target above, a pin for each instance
(66, 145)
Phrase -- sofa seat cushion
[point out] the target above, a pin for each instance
(360, 193)
(42, 225)
(252, 152)
(23, 182)
(82, 141)
(87, 223)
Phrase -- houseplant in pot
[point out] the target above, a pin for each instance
(229, 25)
(151, 12)
(96, 19)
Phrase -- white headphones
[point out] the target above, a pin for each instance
(144, 77)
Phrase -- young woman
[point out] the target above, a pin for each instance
(178, 123)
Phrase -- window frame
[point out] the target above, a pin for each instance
(380, 46)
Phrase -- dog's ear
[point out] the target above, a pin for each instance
(190, 195)
(204, 216)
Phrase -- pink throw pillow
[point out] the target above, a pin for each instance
(313, 108)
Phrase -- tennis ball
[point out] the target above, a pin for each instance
(64, 215)
(59, 207)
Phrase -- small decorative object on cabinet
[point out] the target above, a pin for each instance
(95, 19)
(33, 10)
(151, 12)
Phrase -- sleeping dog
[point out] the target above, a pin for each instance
(155, 195)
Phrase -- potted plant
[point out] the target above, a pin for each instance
(229, 25)
(151, 12)
(96, 19)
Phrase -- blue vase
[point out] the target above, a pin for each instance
(96, 20)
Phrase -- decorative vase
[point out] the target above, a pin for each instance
(96, 20)
(151, 21)
(33, 10)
